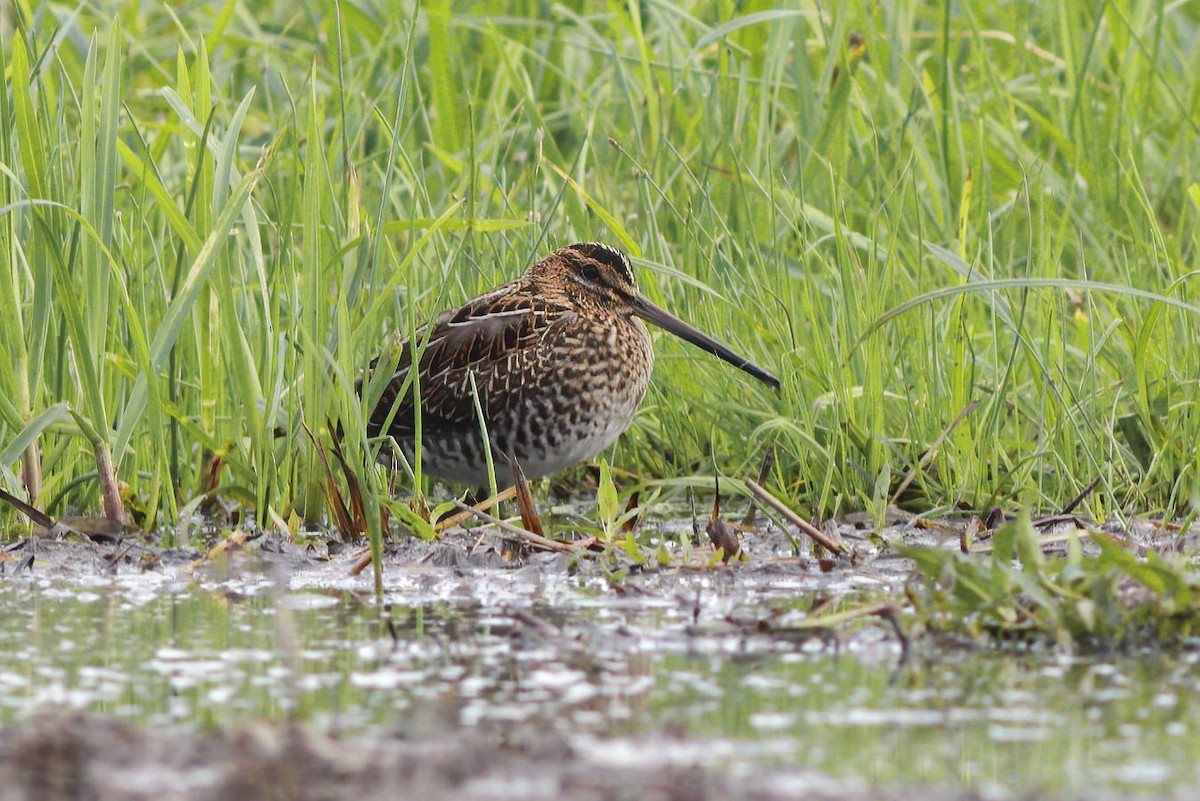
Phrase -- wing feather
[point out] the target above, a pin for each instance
(484, 336)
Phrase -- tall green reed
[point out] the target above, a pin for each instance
(205, 239)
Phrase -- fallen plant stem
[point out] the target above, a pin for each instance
(363, 556)
(932, 452)
(36, 515)
(362, 562)
(527, 537)
(477, 511)
(487, 503)
(812, 531)
(1078, 499)
(91, 528)
(1054, 520)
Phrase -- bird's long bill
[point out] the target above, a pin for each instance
(669, 322)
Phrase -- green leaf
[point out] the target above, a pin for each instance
(1113, 554)
(607, 504)
(1025, 541)
(933, 563)
(479, 225)
(610, 220)
(181, 306)
(33, 153)
(446, 95)
(418, 525)
(736, 24)
(1020, 283)
(26, 436)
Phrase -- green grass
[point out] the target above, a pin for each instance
(213, 217)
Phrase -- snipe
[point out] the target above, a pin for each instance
(561, 360)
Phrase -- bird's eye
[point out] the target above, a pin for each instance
(591, 272)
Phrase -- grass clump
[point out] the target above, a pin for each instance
(1111, 599)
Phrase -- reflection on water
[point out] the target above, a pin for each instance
(631, 681)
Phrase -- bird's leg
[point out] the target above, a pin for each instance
(529, 514)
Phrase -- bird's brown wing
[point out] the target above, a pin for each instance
(488, 336)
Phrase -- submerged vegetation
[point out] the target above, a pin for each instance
(1018, 592)
(964, 235)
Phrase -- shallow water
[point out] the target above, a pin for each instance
(706, 673)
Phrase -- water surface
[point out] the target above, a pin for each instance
(697, 670)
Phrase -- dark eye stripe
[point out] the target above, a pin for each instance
(575, 258)
(606, 255)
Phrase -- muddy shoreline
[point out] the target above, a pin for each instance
(501, 598)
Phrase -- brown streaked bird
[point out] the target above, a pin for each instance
(561, 360)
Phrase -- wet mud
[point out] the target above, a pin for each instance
(495, 671)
